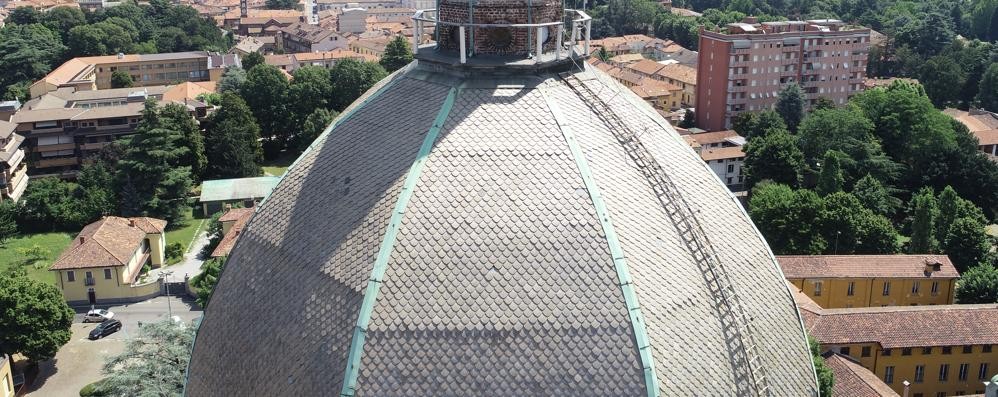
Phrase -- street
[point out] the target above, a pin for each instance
(79, 362)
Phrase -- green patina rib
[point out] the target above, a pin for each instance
(619, 262)
(387, 244)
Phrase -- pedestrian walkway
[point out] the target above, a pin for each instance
(189, 266)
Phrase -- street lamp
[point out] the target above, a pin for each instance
(166, 276)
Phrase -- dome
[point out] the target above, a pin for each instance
(483, 230)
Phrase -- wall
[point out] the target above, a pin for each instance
(145, 72)
(712, 80)
(869, 292)
(157, 246)
(498, 11)
(734, 179)
(6, 377)
(106, 290)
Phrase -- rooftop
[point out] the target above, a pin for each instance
(721, 153)
(854, 380)
(679, 72)
(241, 217)
(867, 266)
(109, 242)
(238, 189)
(907, 326)
(73, 68)
(707, 138)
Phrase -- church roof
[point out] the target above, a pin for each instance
(489, 235)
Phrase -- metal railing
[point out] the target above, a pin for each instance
(581, 25)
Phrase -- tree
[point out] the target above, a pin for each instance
(823, 103)
(150, 175)
(281, 4)
(790, 105)
(205, 281)
(350, 79)
(875, 196)
(787, 218)
(61, 19)
(753, 124)
(27, 52)
(252, 59)
(877, 236)
(232, 141)
(232, 80)
(987, 95)
(94, 196)
(266, 93)
(35, 319)
(121, 79)
(943, 80)
(978, 285)
(397, 54)
(951, 208)
(927, 35)
(830, 180)
(966, 244)
(630, 16)
(313, 126)
(689, 119)
(309, 90)
(8, 221)
(176, 116)
(826, 378)
(774, 156)
(24, 16)
(923, 239)
(46, 202)
(153, 364)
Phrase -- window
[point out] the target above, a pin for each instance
(914, 287)
(731, 168)
(817, 288)
(851, 289)
(982, 373)
(943, 372)
(844, 350)
(889, 374)
(887, 288)
(926, 351)
(918, 395)
(963, 371)
(941, 394)
(947, 349)
(107, 274)
(935, 288)
(70, 276)
(906, 351)
(89, 279)
(986, 348)
(919, 373)
(866, 351)
(967, 349)
(885, 352)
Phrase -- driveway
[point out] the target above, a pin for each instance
(190, 265)
(79, 362)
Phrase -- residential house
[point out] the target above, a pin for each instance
(247, 45)
(722, 151)
(919, 351)
(63, 127)
(215, 194)
(853, 380)
(842, 281)
(983, 124)
(743, 67)
(94, 73)
(658, 94)
(253, 21)
(104, 262)
(373, 46)
(682, 76)
(366, 4)
(13, 168)
(233, 221)
(326, 59)
(304, 37)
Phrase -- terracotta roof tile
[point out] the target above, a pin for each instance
(732, 152)
(864, 266)
(679, 72)
(706, 138)
(908, 326)
(111, 241)
(241, 216)
(854, 380)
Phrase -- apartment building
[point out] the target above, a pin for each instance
(722, 152)
(304, 37)
(94, 73)
(744, 67)
(938, 351)
(326, 59)
(13, 169)
(843, 281)
(983, 124)
(65, 126)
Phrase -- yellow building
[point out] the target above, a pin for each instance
(104, 262)
(941, 350)
(843, 281)
(6, 377)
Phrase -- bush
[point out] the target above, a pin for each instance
(174, 251)
(92, 390)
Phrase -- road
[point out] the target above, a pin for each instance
(79, 362)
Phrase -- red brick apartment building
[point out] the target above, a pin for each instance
(744, 68)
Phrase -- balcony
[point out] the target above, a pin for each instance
(56, 162)
(89, 281)
(56, 147)
(94, 146)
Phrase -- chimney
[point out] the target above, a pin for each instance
(83, 239)
(750, 20)
(131, 222)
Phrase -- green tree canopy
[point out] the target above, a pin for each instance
(28, 52)
(252, 59)
(967, 244)
(987, 95)
(281, 4)
(153, 364)
(232, 80)
(351, 78)
(121, 79)
(24, 15)
(787, 218)
(830, 180)
(266, 93)
(63, 18)
(979, 284)
(826, 378)
(179, 119)
(753, 124)
(790, 105)
(310, 90)
(34, 317)
(943, 80)
(232, 141)
(689, 119)
(8, 220)
(773, 156)
(313, 126)
(875, 196)
(205, 281)
(398, 53)
(925, 212)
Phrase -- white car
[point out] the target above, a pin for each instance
(98, 316)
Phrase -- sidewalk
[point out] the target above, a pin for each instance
(189, 266)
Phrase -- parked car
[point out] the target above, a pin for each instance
(104, 329)
(98, 316)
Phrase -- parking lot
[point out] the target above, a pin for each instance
(79, 362)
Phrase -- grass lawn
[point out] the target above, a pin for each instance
(51, 246)
(185, 233)
(276, 167)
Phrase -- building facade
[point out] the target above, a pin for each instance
(304, 37)
(13, 168)
(843, 281)
(744, 68)
(105, 261)
(722, 152)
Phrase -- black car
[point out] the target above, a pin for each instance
(105, 328)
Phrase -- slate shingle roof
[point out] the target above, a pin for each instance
(500, 280)
(860, 266)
